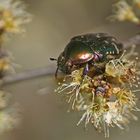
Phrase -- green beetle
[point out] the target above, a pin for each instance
(88, 51)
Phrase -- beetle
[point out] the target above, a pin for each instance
(88, 51)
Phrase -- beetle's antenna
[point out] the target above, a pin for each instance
(53, 59)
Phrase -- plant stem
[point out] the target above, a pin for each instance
(135, 40)
(28, 74)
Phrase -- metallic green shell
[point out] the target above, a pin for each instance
(90, 43)
(82, 49)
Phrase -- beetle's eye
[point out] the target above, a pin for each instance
(62, 59)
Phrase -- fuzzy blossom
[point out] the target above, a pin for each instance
(118, 115)
(9, 119)
(123, 73)
(104, 113)
(9, 114)
(106, 99)
(4, 99)
(12, 15)
(6, 65)
(124, 12)
(137, 3)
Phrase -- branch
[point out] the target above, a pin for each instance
(50, 70)
(132, 41)
(29, 74)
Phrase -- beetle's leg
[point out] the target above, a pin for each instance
(56, 73)
(86, 70)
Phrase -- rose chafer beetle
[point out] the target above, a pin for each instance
(89, 50)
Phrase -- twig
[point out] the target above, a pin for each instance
(28, 74)
(132, 41)
(50, 70)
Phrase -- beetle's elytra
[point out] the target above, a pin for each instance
(88, 50)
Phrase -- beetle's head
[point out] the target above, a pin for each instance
(63, 64)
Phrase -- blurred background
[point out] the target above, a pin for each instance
(44, 115)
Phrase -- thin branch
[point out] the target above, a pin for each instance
(50, 70)
(132, 41)
(28, 74)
